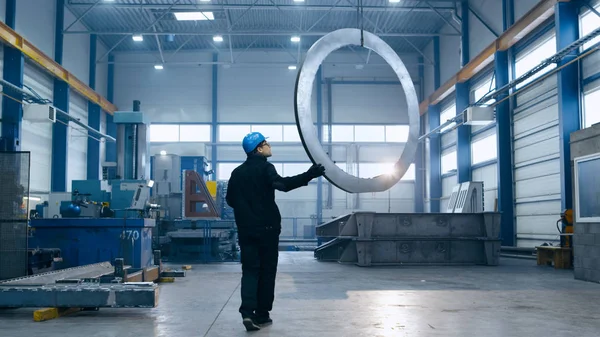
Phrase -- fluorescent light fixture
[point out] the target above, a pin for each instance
(295, 39)
(394, 1)
(33, 198)
(292, 67)
(138, 38)
(159, 67)
(194, 16)
(163, 153)
(298, 0)
(204, 0)
(218, 38)
(359, 66)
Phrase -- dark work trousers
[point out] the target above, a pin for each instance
(259, 257)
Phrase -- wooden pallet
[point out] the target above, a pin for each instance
(558, 256)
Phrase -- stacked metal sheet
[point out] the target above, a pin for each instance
(14, 198)
(368, 239)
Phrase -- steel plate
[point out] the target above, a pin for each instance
(303, 109)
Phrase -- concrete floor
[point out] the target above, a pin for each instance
(320, 299)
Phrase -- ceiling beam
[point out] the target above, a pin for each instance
(307, 7)
(249, 33)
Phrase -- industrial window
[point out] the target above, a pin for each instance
(233, 133)
(591, 115)
(396, 133)
(292, 169)
(587, 24)
(342, 133)
(483, 89)
(533, 58)
(484, 149)
(370, 170)
(369, 133)
(224, 170)
(273, 132)
(164, 132)
(194, 133)
(290, 133)
(448, 162)
(448, 113)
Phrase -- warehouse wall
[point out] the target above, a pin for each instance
(258, 90)
(35, 21)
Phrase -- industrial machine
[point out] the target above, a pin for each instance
(101, 220)
(195, 223)
(566, 228)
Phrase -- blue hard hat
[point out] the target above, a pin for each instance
(252, 140)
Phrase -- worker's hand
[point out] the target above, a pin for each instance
(316, 171)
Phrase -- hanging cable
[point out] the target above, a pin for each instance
(362, 23)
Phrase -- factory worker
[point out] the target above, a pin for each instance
(251, 194)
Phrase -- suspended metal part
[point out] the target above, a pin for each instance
(303, 110)
(17, 93)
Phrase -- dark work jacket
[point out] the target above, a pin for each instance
(251, 193)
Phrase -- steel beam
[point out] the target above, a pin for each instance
(111, 127)
(420, 156)
(567, 32)
(60, 148)
(319, 89)
(463, 97)
(243, 33)
(124, 295)
(215, 115)
(13, 73)
(435, 145)
(94, 111)
(283, 7)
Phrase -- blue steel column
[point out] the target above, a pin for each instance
(93, 145)
(419, 158)
(567, 31)
(214, 120)
(320, 135)
(506, 200)
(61, 101)
(111, 127)
(463, 141)
(435, 145)
(12, 111)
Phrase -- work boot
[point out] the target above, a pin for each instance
(263, 318)
(250, 324)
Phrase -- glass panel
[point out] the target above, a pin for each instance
(589, 188)
(482, 90)
(325, 133)
(533, 58)
(164, 132)
(233, 133)
(369, 133)
(588, 23)
(274, 133)
(396, 133)
(194, 133)
(484, 149)
(290, 133)
(448, 162)
(224, 170)
(292, 169)
(447, 114)
(370, 170)
(591, 102)
(410, 173)
(342, 133)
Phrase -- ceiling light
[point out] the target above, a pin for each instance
(359, 66)
(218, 38)
(204, 0)
(159, 67)
(138, 38)
(33, 198)
(295, 39)
(109, 0)
(298, 0)
(163, 153)
(292, 67)
(194, 16)
(394, 1)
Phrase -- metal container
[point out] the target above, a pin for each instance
(87, 241)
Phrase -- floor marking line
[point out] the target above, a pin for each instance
(220, 311)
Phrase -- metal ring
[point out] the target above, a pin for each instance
(303, 109)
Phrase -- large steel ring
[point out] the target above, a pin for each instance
(306, 127)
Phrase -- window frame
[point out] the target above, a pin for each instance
(528, 51)
(479, 141)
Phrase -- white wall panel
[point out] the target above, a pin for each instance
(76, 49)
(537, 164)
(480, 36)
(101, 71)
(449, 54)
(522, 7)
(3, 10)
(178, 93)
(77, 140)
(35, 22)
(37, 137)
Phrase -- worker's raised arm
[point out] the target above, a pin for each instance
(286, 184)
